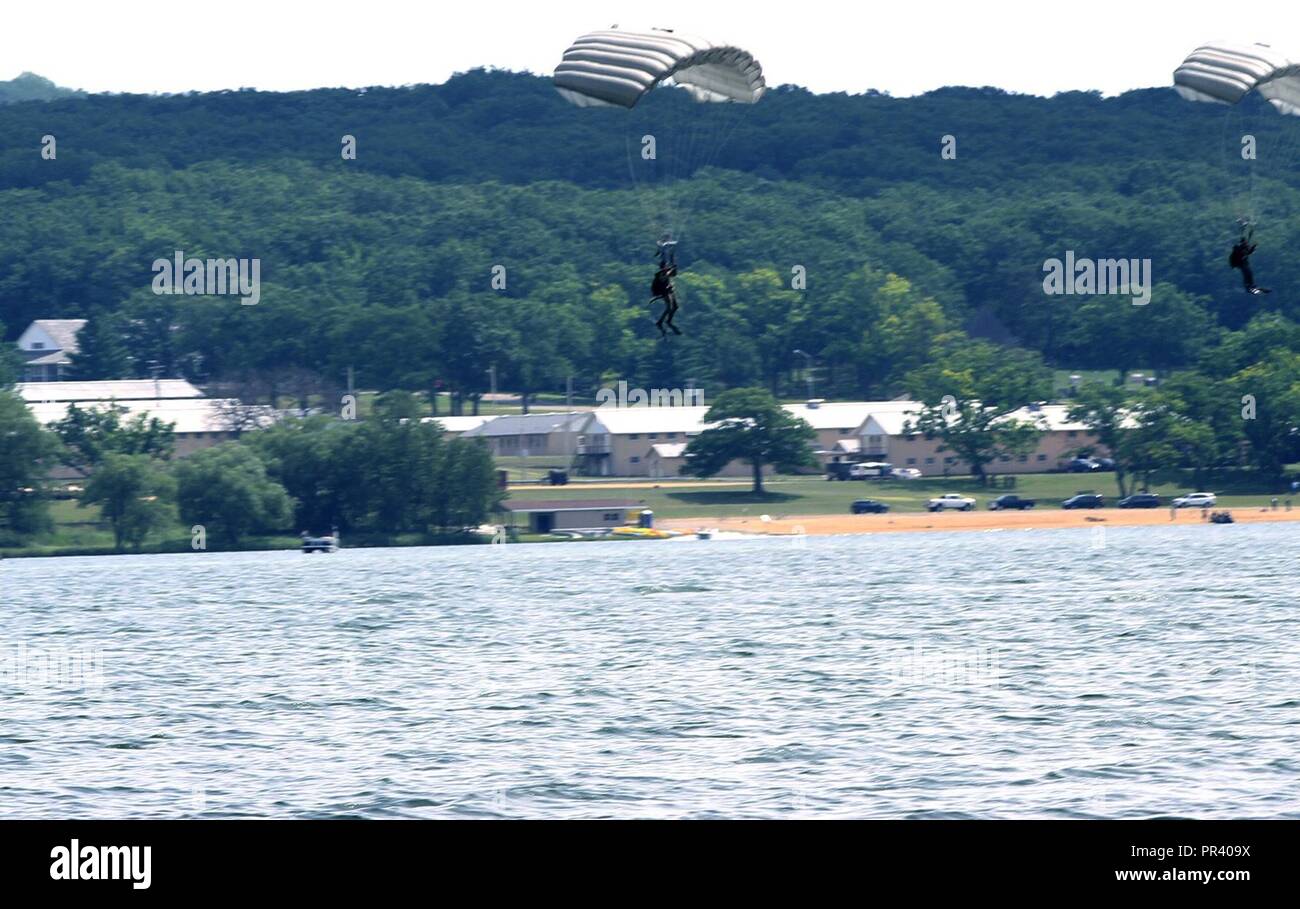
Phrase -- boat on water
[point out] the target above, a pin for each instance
(312, 544)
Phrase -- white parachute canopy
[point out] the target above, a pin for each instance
(617, 68)
(1225, 73)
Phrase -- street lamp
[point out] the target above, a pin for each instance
(808, 361)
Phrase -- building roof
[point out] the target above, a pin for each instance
(846, 416)
(1048, 417)
(189, 415)
(528, 424)
(62, 332)
(570, 505)
(115, 390)
(458, 424)
(47, 357)
(636, 420)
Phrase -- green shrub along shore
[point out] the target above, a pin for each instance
(387, 480)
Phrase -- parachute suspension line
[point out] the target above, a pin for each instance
(679, 77)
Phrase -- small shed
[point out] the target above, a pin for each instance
(542, 516)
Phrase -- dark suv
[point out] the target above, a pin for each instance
(869, 506)
(1140, 500)
(1085, 500)
(1011, 501)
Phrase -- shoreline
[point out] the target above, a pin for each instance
(923, 522)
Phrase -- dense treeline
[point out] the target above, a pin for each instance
(488, 229)
(383, 264)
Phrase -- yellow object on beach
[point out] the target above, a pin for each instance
(645, 533)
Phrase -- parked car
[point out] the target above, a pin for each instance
(1104, 463)
(869, 506)
(1011, 500)
(1195, 500)
(1082, 465)
(1085, 500)
(871, 470)
(906, 473)
(951, 501)
(1140, 500)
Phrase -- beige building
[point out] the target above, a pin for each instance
(545, 434)
(651, 441)
(198, 422)
(590, 514)
(885, 435)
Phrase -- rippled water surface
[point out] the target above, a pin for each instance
(1155, 672)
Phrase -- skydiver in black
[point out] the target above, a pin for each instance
(1239, 258)
(661, 288)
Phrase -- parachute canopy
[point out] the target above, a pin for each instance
(615, 68)
(1226, 73)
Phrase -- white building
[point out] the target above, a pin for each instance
(47, 348)
(198, 422)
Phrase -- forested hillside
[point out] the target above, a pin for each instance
(383, 263)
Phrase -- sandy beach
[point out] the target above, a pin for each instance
(965, 520)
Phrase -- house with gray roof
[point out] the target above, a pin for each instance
(47, 348)
(530, 434)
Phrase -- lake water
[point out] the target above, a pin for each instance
(1150, 672)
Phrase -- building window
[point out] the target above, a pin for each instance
(1042, 457)
(670, 435)
(635, 460)
(950, 460)
(612, 516)
(38, 345)
(1005, 459)
(911, 460)
(1071, 434)
(929, 460)
(633, 437)
(652, 435)
(1023, 459)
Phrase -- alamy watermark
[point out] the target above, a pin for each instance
(209, 277)
(34, 668)
(1100, 277)
(622, 396)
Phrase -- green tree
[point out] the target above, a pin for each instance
(750, 426)
(90, 434)
(11, 363)
(102, 353)
(25, 448)
(1105, 409)
(226, 489)
(971, 393)
(135, 495)
(1270, 408)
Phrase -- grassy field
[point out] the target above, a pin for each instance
(815, 495)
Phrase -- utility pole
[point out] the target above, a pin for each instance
(807, 366)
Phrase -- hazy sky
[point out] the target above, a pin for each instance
(827, 45)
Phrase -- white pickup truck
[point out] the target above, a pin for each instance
(951, 501)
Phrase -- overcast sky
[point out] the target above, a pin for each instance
(902, 47)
